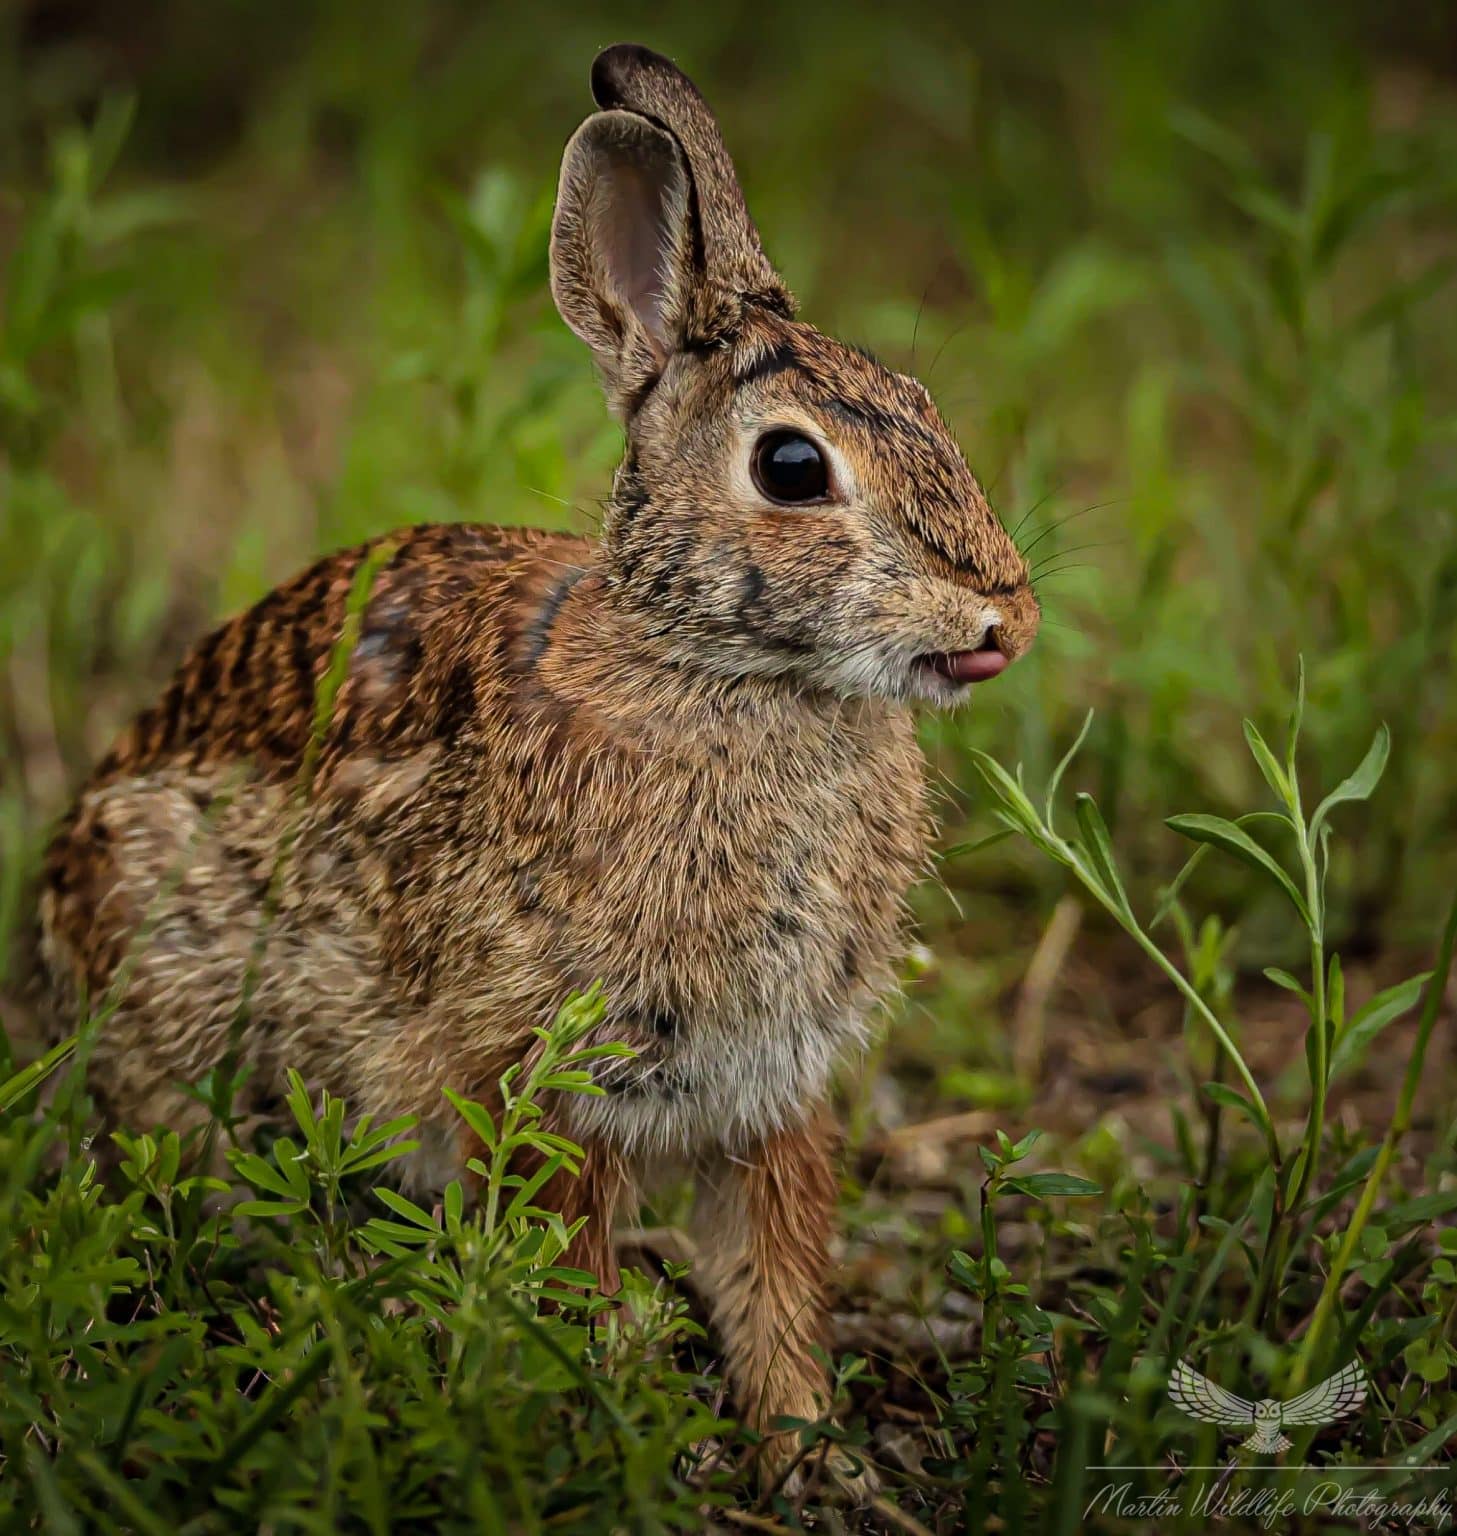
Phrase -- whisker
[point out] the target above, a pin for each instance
(952, 337)
(991, 485)
(591, 516)
(1037, 505)
(916, 328)
(1062, 570)
(561, 565)
(1042, 533)
(1098, 506)
(1076, 549)
(536, 490)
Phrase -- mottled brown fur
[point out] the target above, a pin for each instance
(678, 759)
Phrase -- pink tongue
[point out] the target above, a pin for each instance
(974, 666)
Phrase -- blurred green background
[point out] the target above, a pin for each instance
(274, 279)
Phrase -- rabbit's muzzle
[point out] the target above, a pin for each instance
(979, 645)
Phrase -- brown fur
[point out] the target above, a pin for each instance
(764, 1220)
(678, 759)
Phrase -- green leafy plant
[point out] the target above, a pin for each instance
(1285, 1206)
(434, 1367)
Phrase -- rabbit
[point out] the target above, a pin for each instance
(679, 757)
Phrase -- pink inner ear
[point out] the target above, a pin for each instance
(634, 242)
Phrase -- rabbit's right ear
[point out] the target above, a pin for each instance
(621, 247)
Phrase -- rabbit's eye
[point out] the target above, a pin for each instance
(789, 467)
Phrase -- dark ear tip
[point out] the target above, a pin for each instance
(614, 68)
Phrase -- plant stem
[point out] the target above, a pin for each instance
(1401, 1122)
(1213, 1123)
(991, 1300)
(1272, 1265)
(1191, 995)
(1315, 1120)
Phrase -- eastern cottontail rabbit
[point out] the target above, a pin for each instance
(680, 759)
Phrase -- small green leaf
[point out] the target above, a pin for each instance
(1428, 1359)
(290, 1160)
(1007, 792)
(270, 1207)
(1371, 1018)
(1421, 1208)
(1361, 783)
(1297, 715)
(1294, 1173)
(1265, 758)
(1335, 995)
(15, 1088)
(1229, 838)
(392, 1237)
(1230, 1098)
(476, 1116)
(406, 1208)
(260, 1173)
(371, 1136)
(1042, 1186)
(961, 850)
(1055, 782)
(1313, 1066)
(358, 1163)
(1099, 849)
(1170, 894)
(1286, 980)
(297, 1100)
(521, 1206)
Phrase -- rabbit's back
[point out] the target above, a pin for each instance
(213, 885)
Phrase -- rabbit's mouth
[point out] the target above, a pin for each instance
(988, 660)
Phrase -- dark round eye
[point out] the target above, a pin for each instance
(789, 467)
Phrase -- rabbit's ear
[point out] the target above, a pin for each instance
(733, 265)
(621, 245)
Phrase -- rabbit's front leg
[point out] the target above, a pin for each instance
(597, 1193)
(763, 1223)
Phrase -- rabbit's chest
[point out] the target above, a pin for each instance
(743, 942)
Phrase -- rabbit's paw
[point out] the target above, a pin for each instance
(833, 1475)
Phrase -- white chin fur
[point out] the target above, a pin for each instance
(891, 675)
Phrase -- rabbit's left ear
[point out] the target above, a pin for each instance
(733, 267)
(652, 248)
(621, 246)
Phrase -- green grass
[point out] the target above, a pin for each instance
(272, 279)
